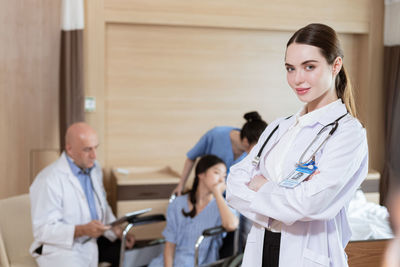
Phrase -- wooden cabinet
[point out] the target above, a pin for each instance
(144, 187)
(370, 186)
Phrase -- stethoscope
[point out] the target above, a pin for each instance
(334, 126)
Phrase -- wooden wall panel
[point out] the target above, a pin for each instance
(166, 86)
(343, 15)
(375, 114)
(163, 72)
(371, 94)
(29, 56)
(40, 158)
(94, 64)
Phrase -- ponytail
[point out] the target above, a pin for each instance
(344, 91)
(192, 198)
(253, 128)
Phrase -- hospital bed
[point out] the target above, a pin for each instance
(371, 231)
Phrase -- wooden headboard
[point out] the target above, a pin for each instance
(366, 253)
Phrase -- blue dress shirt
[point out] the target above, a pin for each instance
(86, 182)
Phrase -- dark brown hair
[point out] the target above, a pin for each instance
(253, 128)
(326, 39)
(202, 166)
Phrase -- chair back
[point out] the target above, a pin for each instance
(16, 231)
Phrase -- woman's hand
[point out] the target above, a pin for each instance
(218, 188)
(229, 220)
(187, 168)
(256, 182)
(178, 190)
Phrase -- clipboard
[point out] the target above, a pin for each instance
(123, 219)
(129, 216)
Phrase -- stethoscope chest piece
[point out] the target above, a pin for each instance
(255, 161)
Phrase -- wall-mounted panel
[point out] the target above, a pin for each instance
(166, 86)
(345, 16)
(29, 55)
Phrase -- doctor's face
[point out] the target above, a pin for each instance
(83, 149)
(310, 76)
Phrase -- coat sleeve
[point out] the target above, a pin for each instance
(47, 212)
(238, 195)
(343, 166)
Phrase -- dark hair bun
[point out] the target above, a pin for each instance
(252, 116)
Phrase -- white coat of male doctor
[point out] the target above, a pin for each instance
(315, 229)
(63, 229)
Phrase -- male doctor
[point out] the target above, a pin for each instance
(69, 209)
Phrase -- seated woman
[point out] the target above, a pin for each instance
(190, 214)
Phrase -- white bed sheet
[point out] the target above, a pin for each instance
(368, 220)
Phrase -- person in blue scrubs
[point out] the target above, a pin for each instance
(190, 214)
(228, 143)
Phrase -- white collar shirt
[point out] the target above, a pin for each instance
(274, 162)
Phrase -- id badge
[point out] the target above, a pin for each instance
(301, 173)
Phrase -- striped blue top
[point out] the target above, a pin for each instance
(184, 232)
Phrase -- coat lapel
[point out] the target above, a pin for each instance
(333, 115)
(283, 127)
(64, 167)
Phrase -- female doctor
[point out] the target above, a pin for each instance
(323, 147)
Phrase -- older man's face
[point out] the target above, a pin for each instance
(83, 149)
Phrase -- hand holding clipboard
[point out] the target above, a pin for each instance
(128, 217)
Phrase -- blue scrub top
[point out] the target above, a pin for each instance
(216, 142)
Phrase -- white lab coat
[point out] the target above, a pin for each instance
(315, 229)
(58, 203)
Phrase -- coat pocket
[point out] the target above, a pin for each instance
(49, 249)
(253, 250)
(311, 258)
